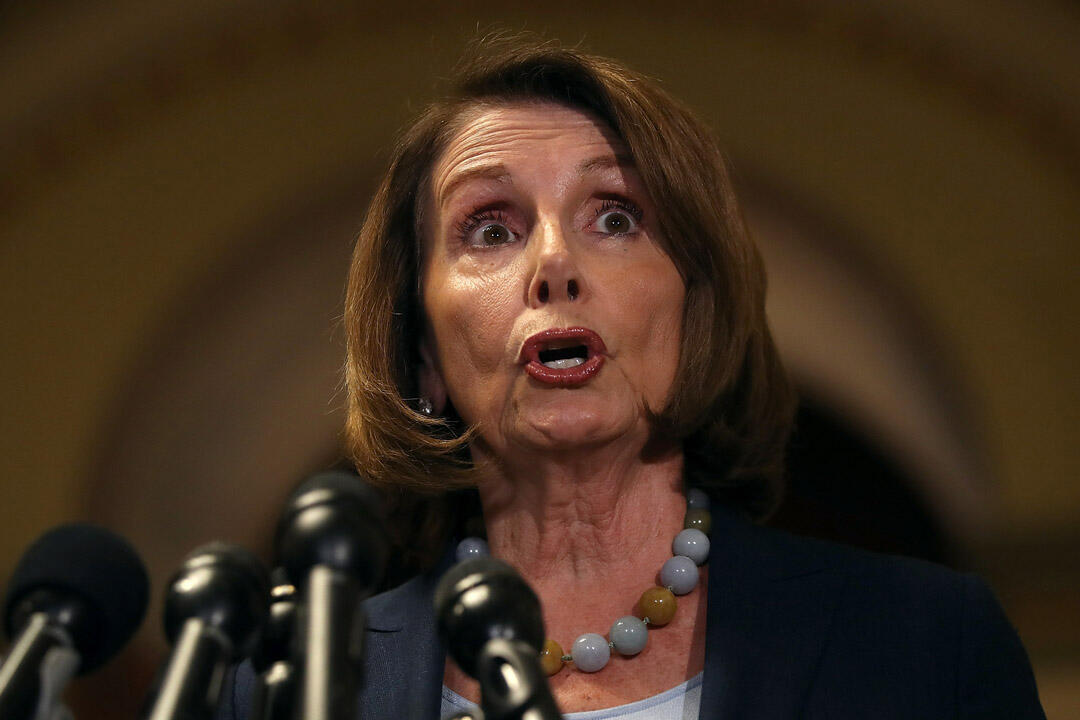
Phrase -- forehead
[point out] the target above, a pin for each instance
(534, 136)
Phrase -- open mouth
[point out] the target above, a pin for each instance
(563, 357)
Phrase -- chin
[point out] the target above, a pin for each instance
(571, 425)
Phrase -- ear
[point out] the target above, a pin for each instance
(430, 379)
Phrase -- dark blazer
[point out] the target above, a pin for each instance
(797, 628)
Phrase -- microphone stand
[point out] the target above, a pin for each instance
(194, 673)
(512, 685)
(491, 623)
(76, 596)
(57, 668)
(332, 658)
(20, 672)
(274, 695)
(331, 541)
(214, 610)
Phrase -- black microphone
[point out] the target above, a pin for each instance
(275, 688)
(490, 620)
(214, 608)
(331, 540)
(79, 587)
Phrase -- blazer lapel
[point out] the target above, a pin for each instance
(771, 601)
(405, 657)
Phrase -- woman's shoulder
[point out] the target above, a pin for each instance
(903, 627)
(871, 597)
(780, 553)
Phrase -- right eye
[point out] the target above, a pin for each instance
(491, 234)
(486, 228)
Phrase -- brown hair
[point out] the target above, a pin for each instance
(731, 403)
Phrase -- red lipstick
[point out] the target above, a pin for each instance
(563, 357)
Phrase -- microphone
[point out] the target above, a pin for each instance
(275, 689)
(78, 590)
(214, 609)
(490, 620)
(332, 543)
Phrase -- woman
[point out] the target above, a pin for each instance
(554, 301)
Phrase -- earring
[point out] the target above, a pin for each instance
(424, 406)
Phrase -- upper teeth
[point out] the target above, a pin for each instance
(564, 363)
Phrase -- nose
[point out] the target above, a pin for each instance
(556, 275)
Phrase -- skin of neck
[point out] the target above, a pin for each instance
(588, 529)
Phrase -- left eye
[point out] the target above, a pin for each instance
(616, 217)
(494, 234)
(615, 222)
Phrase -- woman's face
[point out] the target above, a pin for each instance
(553, 315)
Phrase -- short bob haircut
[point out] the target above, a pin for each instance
(731, 403)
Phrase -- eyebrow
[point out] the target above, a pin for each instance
(604, 162)
(497, 172)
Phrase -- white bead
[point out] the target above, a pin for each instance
(696, 498)
(680, 574)
(629, 635)
(471, 547)
(590, 652)
(692, 543)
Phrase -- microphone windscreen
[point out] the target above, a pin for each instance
(334, 486)
(333, 519)
(481, 599)
(95, 566)
(224, 585)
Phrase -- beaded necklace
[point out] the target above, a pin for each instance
(656, 606)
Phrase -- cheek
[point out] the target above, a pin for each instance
(651, 310)
(470, 318)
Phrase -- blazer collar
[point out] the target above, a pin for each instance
(409, 605)
(771, 602)
(409, 658)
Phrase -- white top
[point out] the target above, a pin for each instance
(681, 702)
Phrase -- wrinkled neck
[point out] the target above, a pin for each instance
(589, 532)
(576, 516)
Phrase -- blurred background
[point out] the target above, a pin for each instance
(180, 183)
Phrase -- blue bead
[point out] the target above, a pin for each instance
(696, 498)
(590, 652)
(680, 574)
(692, 543)
(629, 635)
(471, 547)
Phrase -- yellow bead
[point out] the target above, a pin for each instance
(700, 519)
(658, 604)
(551, 657)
